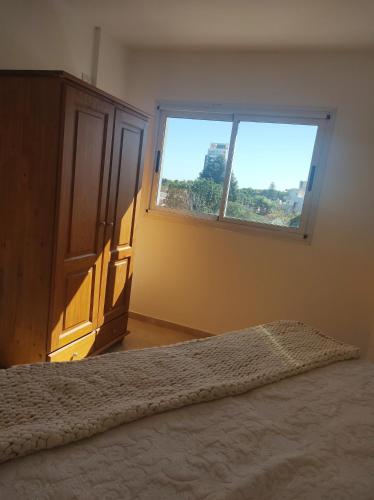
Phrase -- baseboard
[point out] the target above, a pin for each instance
(168, 324)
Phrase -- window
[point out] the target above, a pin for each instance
(261, 169)
(193, 165)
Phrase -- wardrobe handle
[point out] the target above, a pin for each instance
(102, 223)
(110, 224)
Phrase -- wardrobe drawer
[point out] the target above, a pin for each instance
(110, 331)
(78, 349)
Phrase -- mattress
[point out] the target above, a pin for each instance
(307, 437)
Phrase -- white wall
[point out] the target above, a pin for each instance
(220, 280)
(51, 34)
(112, 66)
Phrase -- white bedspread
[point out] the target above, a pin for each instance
(309, 437)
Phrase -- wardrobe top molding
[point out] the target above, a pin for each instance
(77, 82)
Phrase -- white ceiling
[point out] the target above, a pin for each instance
(234, 24)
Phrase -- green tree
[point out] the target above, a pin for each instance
(234, 188)
(200, 195)
(178, 196)
(206, 196)
(214, 169)
(246, 196)
(263, 205)
(238, 211)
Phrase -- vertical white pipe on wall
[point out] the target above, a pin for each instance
(95, 54)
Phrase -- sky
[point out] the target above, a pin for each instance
(264, 152)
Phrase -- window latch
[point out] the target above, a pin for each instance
(311, 177)
(158, 158)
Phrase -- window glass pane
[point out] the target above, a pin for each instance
(270, 170)
(193, 164)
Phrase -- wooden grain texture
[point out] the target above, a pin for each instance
(78, 83)
(85, 167)
(110, 332)
(68, 211)
(29, 132)
(123, 204)
(75, 350)
(93, 343)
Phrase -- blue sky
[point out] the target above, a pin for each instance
(264, 152)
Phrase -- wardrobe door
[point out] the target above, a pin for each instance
(125, 183)
(88, 129)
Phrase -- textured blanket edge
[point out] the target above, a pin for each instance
(23, 438)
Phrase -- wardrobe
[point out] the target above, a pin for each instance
(71, 161)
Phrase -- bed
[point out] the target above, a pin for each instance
(308, 435)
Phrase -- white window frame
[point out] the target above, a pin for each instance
(323, 118)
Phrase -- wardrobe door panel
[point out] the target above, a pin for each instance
(80, 289)
(86, 180)
(82, 210)
(125, 183)
(116, 284)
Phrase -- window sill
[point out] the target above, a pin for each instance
(244, 227)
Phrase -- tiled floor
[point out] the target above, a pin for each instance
(147, 335)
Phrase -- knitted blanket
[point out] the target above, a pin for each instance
(50, 404)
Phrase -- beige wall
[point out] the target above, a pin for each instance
(112, 66)
(220, 280)
(51, 34)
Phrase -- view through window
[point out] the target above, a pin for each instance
(270, 170)
(194, 164)
(267, 174)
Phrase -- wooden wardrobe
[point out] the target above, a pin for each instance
(71, 167)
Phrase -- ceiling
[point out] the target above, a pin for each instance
(234, 24)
